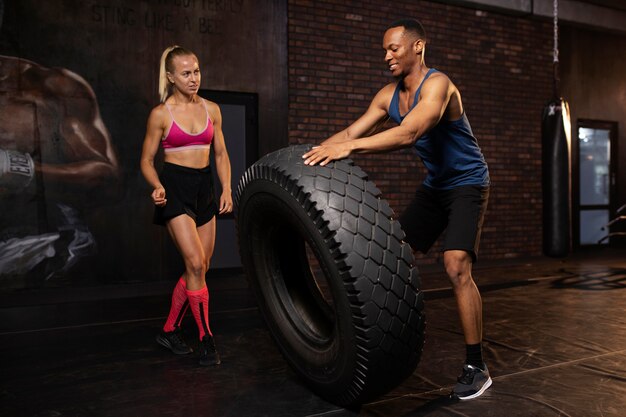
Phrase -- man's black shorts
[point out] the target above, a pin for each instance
(459, 211)
(188, 191)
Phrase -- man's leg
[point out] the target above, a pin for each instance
(466, 207)
(475, 378)
(458, 264)
(423, 220)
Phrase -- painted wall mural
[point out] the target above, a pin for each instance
(77, 81)
(56, 160)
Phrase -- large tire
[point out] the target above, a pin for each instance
(334, 281)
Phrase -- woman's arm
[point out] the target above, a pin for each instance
(222, 161)
(154, 133)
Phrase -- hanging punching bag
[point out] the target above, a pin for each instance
(555, 132)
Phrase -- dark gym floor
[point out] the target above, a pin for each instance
(555, 343)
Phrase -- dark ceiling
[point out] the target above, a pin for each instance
(614, 4)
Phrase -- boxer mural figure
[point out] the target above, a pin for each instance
(56, 158)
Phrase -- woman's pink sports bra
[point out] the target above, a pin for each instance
(177, 139)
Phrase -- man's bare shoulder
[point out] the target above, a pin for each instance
(389, 89)
(384, 95)
(15, 64)
(62, 82)
(438, 77)
(51, 81)
(438, 80)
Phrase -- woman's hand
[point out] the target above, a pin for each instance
(158, 197)
(226, 202)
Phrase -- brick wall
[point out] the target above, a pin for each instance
(501, 64)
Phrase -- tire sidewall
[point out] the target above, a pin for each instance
(327, 367)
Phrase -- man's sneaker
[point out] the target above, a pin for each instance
(174, 342)
(208, 354)
(472, 383)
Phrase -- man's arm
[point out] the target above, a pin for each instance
(432, 104)
(91, 160)
(375, 116)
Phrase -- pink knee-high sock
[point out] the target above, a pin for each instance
(199, 302)
(179, 306)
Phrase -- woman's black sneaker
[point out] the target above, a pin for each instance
(208, 354)
(174, 342)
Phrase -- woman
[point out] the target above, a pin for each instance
(186, 126)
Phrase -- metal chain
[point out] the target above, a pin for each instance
(556, 31)
(555, 63)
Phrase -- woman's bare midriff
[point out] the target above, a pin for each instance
(193, 158)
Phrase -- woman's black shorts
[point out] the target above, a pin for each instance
(188, 191)
(458, 211)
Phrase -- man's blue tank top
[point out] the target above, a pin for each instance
(449, 150)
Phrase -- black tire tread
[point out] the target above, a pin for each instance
(375, 264)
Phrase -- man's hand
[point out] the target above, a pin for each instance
(323, 154)
(17, 170)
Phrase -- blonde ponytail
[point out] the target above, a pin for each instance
(164, 83)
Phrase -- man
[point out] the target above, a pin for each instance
(56, 158)
(428, 109)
